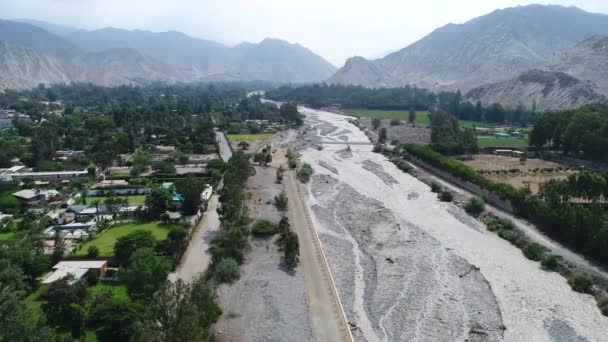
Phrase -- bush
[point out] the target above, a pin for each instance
(435, 187)
(305, 172)
(264, 228)
(580, 283)
(395, 122)
(446, 196)
(475, 206)
(550, 262)
(378, 148)
(280, 201)
(534, 251)
(404, 166)
(227, 270)
(92, 278)
(92, 252)
(603, 304)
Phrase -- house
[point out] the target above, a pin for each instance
(206, 195)
(172, 216)
(65, 154)
(30, 196)
(76, 269)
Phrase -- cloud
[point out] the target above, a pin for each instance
(335, 29)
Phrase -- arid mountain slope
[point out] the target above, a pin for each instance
(588, 61)
(491, 48)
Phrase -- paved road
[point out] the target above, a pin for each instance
(196, 259)
(531, 232)
(224, 146)
(328, 317)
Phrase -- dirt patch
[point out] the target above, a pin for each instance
(262, 189)
(377, 170)
(405, 133)
(520, 174)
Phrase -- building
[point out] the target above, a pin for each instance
(76, 269)
(30, 196)
(42, 176)
(65, 154)
(206, 195)
(8, 115)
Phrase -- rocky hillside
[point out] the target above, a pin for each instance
(22, 67)
(588, 61)
(540, 89)
(495, 47)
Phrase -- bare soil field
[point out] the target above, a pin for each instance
(531, 173)
(267, 303)
(405, 133)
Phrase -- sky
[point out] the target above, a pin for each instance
(334, 29)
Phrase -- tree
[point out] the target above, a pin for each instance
(141, 162)
(376, 123)
(243, 145)
(17, 323)
(115, 319)
(280, 201)
(191, 189)
(64, 305)
(115, 204)
(382, 136)
(227, 270)
(127, 245)
(158, 201)
(412, 116)
(181, 312)
(305, 173)
(145, 272)
(291, 249)
(165, 166)
(289, 112)
(91, 169)
(92, 252)
(446, 196)
(268, 158)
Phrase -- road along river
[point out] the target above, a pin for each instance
(410, 268)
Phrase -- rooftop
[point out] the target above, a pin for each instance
(75, 268)
(28, 194)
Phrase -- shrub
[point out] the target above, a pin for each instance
(603, 304)
(475, 206)
(580, 283)
(446, 196)
(404, 166)
(550, 262)
(534, 251)
(264, 228)
(92, 252)
(280, 201)
(395, 122)
(377, 148)
(92, 278)
(305, 172)
(435, 187)
(227, 270)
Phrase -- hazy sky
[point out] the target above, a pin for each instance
(335, 29)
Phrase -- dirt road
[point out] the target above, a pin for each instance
(196, 259)
(328, 318)
(224, 147)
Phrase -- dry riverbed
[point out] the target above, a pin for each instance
(410, 268)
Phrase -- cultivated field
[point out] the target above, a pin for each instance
(485, 141)
(510, 170)
(248, 137)
(422, 117)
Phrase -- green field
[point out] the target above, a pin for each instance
(6, 236)
(248, 137)
(118, 290)
(106, 240)
(502, 142)
(133, 199)
(422, 117)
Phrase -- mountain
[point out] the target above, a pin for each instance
(33, 37)
(120, 66)
(270, 60)
(540, 89)
(588, 60)
(495, 47)
(60, 30)
(22, 67)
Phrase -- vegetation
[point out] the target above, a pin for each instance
(475, 206)
(248, 137)
(145, 272)
(305, 173)
(280, 201)
(227, 270)
(289, 244)
(446, 196)
(106, 240)
(264, 228)
(502, 142)
(448, 138)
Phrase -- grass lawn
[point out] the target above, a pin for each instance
(34, 301)
(6, 236)
(118, 290)
(248, 137)
(133, 199)
(501, 142)
(120, 174)
(422, 117)
(106, 240)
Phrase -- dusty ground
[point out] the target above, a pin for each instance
(267, 303)
(525, 177)
(405, 133)
(410, 268)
